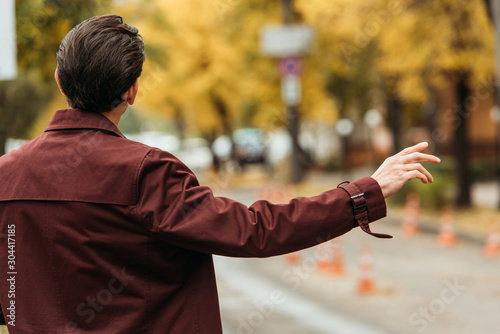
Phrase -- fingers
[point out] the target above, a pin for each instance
(423, 175)
(395, 171)
(415, 148)
(413, 154)
(415, 174)
(421, 157)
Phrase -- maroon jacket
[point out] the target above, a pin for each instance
(101, 234)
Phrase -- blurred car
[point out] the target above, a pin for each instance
(249, 146)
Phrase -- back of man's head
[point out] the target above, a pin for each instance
(98, 61)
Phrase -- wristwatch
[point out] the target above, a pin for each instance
(359, 207)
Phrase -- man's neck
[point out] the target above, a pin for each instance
(115, 114)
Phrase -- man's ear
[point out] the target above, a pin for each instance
(58, 84)
(132, 92)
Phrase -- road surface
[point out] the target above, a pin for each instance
(420, 287)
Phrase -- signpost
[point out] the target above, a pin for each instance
(288, 42)
(8, 49)
(290, 68)
(291, 90)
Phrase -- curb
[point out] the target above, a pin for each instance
(433, 226)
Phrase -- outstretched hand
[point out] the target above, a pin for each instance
(402, 167)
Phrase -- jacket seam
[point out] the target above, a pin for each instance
(148, 286)
(135, 183)
(197, 312)
(51, 259)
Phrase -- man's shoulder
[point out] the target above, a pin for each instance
(145, 153)
(8, 159)
(88, 167)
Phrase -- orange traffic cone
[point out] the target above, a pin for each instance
(366, 282)
(337, 266)
(323, 255)
(447, 235)
(492, 246)
(292, 258)
(411, 213)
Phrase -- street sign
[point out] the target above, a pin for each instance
(290, 66)
(286, 40)
(8, 49)
(291, 90)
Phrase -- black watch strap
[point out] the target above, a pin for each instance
(359, 206)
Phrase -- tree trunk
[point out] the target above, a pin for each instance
(432, 113)
(297, 168)
(463, 199)
(223, 112)
(216, 163)
(3, 141)
(346, 156)
(393, 115)
(180, 123)
(494, 14)
(298, 158)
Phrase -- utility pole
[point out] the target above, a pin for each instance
(288, 42)
(288, 11)
(297, 166)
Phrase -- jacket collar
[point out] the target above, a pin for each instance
(72, 119)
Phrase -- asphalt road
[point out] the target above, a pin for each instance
(420, 287)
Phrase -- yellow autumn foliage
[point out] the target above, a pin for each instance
(199, 52)
(204, 54)
(420, 44)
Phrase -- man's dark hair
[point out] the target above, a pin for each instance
(98, 61)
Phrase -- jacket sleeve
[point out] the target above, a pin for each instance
(174, 207)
